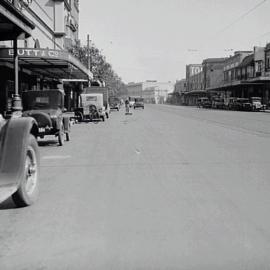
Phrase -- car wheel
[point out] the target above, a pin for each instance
(28, 190)
(103, 118)
(107, 115)
(61, 135)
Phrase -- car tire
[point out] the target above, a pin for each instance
(103, 118)
(28, 190)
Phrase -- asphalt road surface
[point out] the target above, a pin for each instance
(165, 188)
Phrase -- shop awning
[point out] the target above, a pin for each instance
(195, 92)
(50, 64)
(13, 24)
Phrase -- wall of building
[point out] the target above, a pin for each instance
(213, 69)
(180, 86)
(56, 24)
(134, 89)
(231, 64)
(191, 71)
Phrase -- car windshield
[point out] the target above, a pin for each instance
(256, 99)
(41, 100)
(244, 100)
(138, 99)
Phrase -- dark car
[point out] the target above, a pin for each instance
(241, 104)
(47, 108)
(114, 103)
(139, 103)
(218, 103)
(204, 102)
(19, 160)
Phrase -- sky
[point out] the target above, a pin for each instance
(156, 39)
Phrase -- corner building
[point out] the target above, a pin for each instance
(45, 60)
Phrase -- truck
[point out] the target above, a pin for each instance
(91, 107)
(100, 90)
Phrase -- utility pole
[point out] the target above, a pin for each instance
(88, 57)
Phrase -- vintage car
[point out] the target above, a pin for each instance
(204, 102)
(114, 103)
(47, 108)
(138, 103)
(218, 103)
(19, 160)
(256, 104)
(90, 108)
(228, 103)
(240, 104)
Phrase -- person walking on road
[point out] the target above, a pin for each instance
(127, 106)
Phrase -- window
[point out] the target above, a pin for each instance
(268, 60)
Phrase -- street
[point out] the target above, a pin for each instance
(167, 187)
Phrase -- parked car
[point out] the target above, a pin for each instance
(47, 108)
(240, 104)
(139, 103)
(90, 108)
(19, 160)
(105, 97)
(204, 102)
(256, 103)
(114, 103)
(228, 103)
(218, 103)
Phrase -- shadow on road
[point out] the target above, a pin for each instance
(49, 143)
(7, 204)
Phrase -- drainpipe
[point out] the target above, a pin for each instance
(16, 100)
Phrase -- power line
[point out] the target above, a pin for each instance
(241, 17)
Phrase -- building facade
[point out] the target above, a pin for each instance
(180, 86)
(44, 58)
(152, 91)
(213, 75)
(193, 81)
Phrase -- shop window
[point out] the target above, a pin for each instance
(268, 60)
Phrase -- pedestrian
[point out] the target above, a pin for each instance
(127, 106)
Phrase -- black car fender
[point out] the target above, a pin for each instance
(14, 137)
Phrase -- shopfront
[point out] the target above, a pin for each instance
(13, 26)
(42, 69)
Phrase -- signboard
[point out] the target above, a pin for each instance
(32, 53)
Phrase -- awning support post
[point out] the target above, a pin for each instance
(16, 100)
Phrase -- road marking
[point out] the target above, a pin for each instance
(56, 157)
